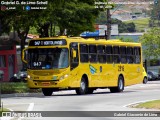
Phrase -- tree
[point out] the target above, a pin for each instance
(151, 43)
(131, 27)
(48, 18)
(155, 14)
(21, 20)
(126, 39)
(76, 16)
(122, 27)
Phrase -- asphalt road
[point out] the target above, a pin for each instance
(100, 100)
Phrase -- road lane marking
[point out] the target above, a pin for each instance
(30, 108)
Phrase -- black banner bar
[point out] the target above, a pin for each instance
(81, 114)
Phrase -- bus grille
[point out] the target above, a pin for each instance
(42, 73)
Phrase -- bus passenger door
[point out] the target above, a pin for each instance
(74, 58)
(74, 62)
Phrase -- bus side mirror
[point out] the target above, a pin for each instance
(24, 55)
(74, 53)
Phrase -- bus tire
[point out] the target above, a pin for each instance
(120, 86)
(145, 80)
(47, 91)
(83, 87)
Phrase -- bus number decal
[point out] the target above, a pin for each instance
(120, 68)
(37, 43)
(37, 64)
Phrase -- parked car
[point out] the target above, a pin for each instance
(145, 77)
(149, 76)
(20, 76)
(153, 75)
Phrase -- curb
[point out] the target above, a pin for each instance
(21, 95)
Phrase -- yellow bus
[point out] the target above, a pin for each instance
(83, 65)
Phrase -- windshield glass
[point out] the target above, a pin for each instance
(48, 58)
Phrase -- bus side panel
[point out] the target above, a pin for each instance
(92, 73)
(131, 71)
(76, 75)
(110, 72)
(139, 77)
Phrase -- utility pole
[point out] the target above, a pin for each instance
(108, 33)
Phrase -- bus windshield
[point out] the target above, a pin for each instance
(48, 58)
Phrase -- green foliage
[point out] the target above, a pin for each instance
(76, 16)
(155, 104)
(102, 18)
(151, 43)
(155, 14)
(33, 30)
(122, 26)
(140, 24)
(18, 87)
(131, 27)
(125, 39)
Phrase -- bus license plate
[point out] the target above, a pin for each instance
(45, 83)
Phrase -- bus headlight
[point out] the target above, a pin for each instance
(64, 76)
(28, 76)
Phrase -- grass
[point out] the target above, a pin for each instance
(16, 87)
(150, 105)
(141, 24)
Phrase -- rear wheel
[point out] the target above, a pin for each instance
(47, 91)
(120, 86)
(83, 87)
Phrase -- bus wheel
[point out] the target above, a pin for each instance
(83, 87)
(47, 91)
(145, 80)
(120, 86)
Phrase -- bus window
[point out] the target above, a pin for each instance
(83, 53)
(101, 54)
(116, 53)
(83, 48)
(48, 58)
(137, 53)
(123, 54)
(130, 55)
(109, 54)
(92, 53)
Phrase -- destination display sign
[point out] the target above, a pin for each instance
(54, 42)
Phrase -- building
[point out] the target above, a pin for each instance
(8, 57)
